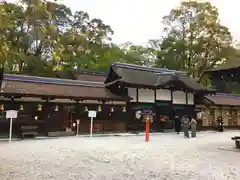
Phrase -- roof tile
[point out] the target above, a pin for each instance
(58, 90)
(152, 77)
(224, 99)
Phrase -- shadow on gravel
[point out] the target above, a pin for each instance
(233, 149)
(27, 139)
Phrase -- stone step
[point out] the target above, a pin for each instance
(60, 133)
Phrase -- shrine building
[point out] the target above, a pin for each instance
(227, 103)
(54, 104)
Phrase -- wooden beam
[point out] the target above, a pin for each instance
(17, 95)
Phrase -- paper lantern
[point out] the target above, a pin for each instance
(1, 107)
(39, 108)
(99, 108)
(21, 107)
(56, 108)
(112, 109)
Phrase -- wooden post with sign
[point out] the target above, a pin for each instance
(92, 114)
(10, 115)
(78, 122)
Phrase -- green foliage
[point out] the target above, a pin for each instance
(139, 55)
(44, 38)
(234, 62)
(194, 39)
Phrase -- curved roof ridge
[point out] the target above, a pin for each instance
(145, 68)
(226, 95)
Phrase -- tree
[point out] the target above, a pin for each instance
(140, 55)
(194, 39)
(27, 36)
(42, 38)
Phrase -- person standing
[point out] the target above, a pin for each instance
(193, 124)
(220, 124)
(185, 123)
(177, 124)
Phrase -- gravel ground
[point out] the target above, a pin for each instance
(167, 156)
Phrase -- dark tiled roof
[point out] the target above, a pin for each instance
(89, 77)
(47, 80)
(224, 99)
(41, 86)
(229, 65)
(220, 69)
(145, 68)
(152, 77)
(91, 72)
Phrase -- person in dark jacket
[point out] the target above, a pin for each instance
(185, 123)
(177, 124)
(220, 124)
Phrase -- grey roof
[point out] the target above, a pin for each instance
(48, 80)
(231, 64)
(145, 68)
(91, 72)
(224, 99)
(152, 77)
(22, 85)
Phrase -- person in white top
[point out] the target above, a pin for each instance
(193, 124)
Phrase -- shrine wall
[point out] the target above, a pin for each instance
(230, 115)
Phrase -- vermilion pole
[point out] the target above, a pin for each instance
(147, 130)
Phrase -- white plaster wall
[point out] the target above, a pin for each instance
(190, 98)
(179, 97)
(217, 113)
(225, 117)
(146, 95)
(163, 94)
(132, 92)
(206, 117)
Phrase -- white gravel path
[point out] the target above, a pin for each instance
(168, 156)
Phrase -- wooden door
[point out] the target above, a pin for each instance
(226, 117)
(238, 117)
(232, 118)
(211, 118)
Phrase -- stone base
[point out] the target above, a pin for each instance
(60, 133)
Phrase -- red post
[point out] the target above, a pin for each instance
(147, 130)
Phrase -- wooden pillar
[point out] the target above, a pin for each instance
(238, 117)
(186, 97)
(155, 95)
(77, 109)
(70, 116)
(137, 94)
(221, 111)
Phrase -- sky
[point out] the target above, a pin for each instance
(139, 20)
